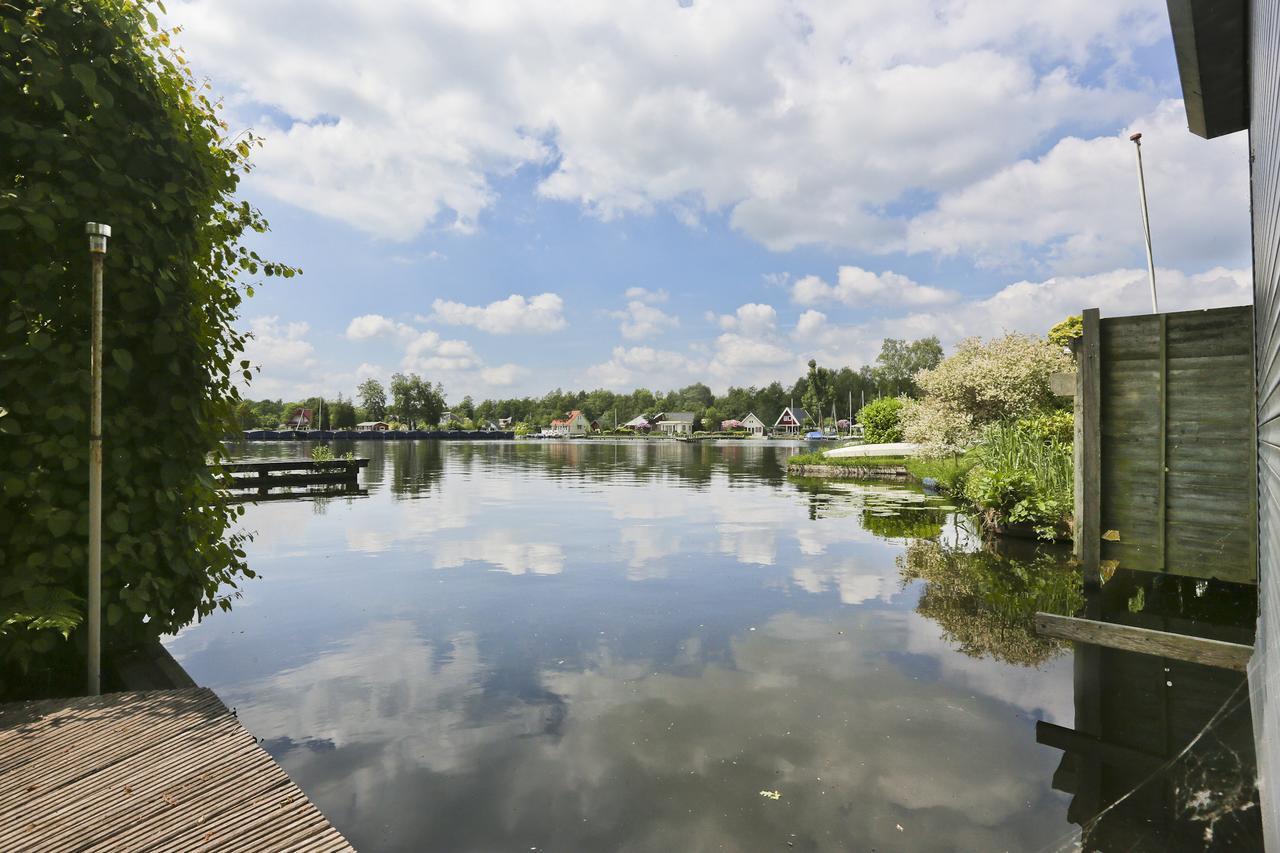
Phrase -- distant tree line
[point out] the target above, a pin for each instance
(411, 400)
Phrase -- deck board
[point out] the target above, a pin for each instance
(153, 770)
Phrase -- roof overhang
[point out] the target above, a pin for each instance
(1210, 39)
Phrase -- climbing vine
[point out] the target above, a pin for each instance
(101, 120)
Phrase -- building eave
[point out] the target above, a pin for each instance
(1210, 40)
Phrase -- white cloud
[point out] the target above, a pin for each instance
(754, 318)
(1081, 201)
(374, 326)
(804, 122)
(632, 366)
(282, 357)
(856, 287)
(643, 294)
(537, 315)
(640, 320)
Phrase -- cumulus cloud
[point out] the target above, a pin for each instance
(631, 366)
(281, 355)
(643, 294)
(536, 315)
(855, 286)
(374, 326)
(640, 320)
(1078, 203)
(754, 318)
(805, 122)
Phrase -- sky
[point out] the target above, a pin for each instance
(509, 198)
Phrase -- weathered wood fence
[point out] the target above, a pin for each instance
(1166, 458)
(262, 477)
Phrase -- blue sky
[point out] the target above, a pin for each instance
(509, 198)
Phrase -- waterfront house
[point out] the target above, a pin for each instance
(676, 423)
(372, 426)
(575, 424)
(791, 421)
(506, 423)
(300, 419)
(754, 426)
(639, 424)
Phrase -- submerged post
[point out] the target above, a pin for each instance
(1136, 139)
(98, 235)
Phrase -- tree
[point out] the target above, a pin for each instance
(817, 392)
(341, 414)
(373, 399)
(881, 421)
(416, 400)
(99, 120)
(899, 362)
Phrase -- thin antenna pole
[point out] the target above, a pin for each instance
(1136, 139)
(98, 235)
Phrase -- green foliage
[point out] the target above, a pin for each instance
(1051, 426)
(817, 394)
(373, 399)
(523, 428)
(951, 472)
(986, 604)
(881, 420)
(1067, 331)
(416, 400)
(321, 453)
(1022, 479)
(101, 120)
(899, 362)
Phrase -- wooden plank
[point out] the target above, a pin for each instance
(271, 481)
(294, 465)
(1145, 641)
(170, 769)
(1088, 449)
(1070, 740)
(1163, 448)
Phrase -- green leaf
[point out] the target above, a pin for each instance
(123, 358)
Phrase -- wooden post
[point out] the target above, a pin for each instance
(1088, 449)
(1162, 486)
(263, 488)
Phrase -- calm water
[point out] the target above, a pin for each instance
(602, 646)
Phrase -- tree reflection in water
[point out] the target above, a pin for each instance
(986, 602)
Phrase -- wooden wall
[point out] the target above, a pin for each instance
(1264, 145)
(1176, 473)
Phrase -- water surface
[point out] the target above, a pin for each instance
(657, 646)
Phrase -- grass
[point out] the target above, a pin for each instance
(816, 458)
(949, 471)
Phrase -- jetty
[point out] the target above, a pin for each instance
(259, 478)
(155, 770)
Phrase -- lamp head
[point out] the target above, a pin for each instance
(98, 235)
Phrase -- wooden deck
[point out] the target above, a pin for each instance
(155, 770)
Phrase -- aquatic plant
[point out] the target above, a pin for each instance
(1021, 478)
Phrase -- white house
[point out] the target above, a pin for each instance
(791, 421)
(575, 424)
(676, 423)
(372, 426)
(753, 425)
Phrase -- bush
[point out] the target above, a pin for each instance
(1063, 334)
(1019, 479)
(1051, 426)
(982, 383)
(100, 120)
(881, 420)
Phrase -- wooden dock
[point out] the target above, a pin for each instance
(259, 478)
(153, 770)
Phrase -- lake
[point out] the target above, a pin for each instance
(612, 645)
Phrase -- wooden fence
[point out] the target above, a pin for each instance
(1166, 458)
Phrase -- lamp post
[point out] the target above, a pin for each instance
(98, 235)
(1136, 139)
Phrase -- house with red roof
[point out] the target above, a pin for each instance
(575, 424)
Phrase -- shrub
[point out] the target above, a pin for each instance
(881, 420)
(983, 383)
(100, 120)
(950, 471)
(1019, 479)
(1067, 331)
(1051, 426)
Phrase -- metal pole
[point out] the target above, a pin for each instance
(1136, 139)
(98, 235)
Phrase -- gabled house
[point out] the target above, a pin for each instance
(791, 421)
(506, 423)
(639, 424)
(372, 426)
(754, 426)
(575, 424)
(676, 423)
(300, 419)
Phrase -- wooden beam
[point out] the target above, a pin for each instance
(1088, 449)
(1145, 641)
(1070, 740)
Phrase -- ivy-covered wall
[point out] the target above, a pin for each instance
(100, 120)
